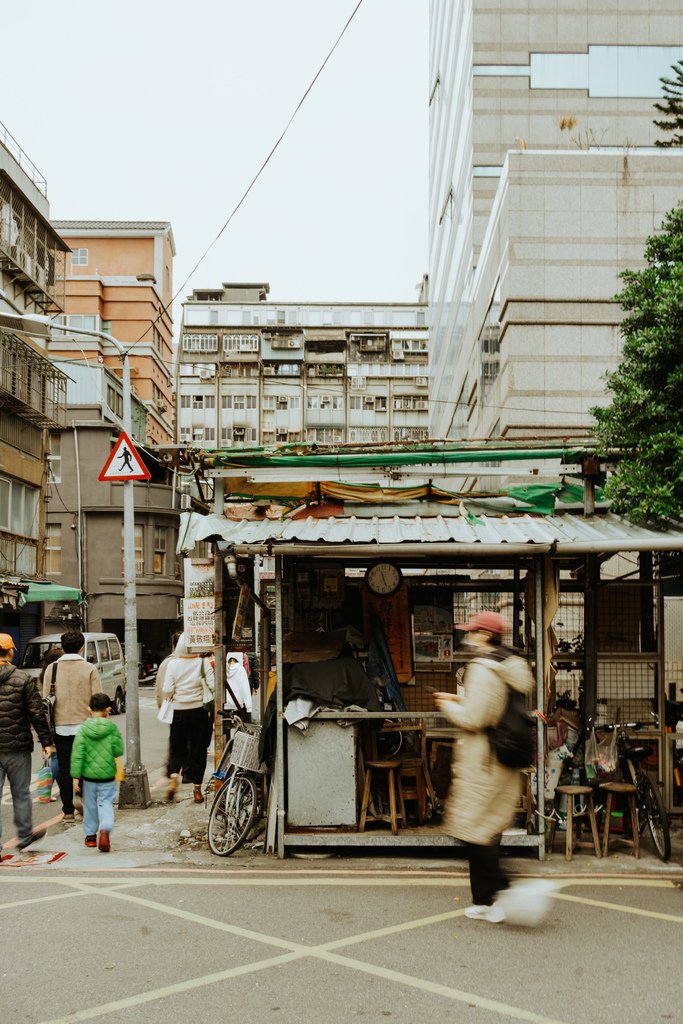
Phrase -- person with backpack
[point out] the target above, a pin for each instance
(485, 792)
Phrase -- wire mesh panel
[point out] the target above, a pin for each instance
(627, 692)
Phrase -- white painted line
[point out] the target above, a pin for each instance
(618, 907)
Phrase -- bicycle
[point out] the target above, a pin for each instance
(649, 801)
(239, 799)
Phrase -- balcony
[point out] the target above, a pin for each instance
(31, 252)
(31, 387)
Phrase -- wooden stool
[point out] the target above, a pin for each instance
(413, 786)
(628, 790)
(395, 794)
(571, 843)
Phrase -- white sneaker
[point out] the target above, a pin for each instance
(480, 912)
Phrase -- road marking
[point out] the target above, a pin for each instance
(40, 899)
(619, 907)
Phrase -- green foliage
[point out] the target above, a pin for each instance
(672, 107)
(645, 417)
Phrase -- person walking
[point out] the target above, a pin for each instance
(96, 746)
(20, 709)
(52, 654)
(189, 684)
(484, 793)
(75, 682)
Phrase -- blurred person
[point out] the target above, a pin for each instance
(96, 746)
(484, 793)
(75, 683)
(52, 654)
(20, 709)
(189, 680)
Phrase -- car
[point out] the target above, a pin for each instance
(101, 649)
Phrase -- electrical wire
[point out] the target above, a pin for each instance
(255, 177)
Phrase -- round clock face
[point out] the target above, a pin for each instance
(383, 578)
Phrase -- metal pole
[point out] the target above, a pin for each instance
(280, 802)
(539, 645)
(134, 790)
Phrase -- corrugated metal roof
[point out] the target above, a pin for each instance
(569, 534)
(64, 226)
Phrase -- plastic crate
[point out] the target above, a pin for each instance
(244, 752)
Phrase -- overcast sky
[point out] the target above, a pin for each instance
(164, 110)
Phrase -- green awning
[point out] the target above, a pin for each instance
(50, 592)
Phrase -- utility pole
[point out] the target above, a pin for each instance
(134, 790)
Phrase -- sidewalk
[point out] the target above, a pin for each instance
(172, 836)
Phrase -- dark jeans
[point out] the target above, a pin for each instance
(487, 878)
(64, 745)
(188, 744)
(16, 768)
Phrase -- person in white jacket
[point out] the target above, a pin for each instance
(189, 684)
(238, 681)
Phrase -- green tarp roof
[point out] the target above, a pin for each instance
(39, 591)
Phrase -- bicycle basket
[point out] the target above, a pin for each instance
(245, 751)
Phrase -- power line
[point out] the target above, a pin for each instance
(256, 176)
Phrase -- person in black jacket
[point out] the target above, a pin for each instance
(20, 708)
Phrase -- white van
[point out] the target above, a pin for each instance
(101, 649)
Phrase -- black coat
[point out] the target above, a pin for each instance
(21, 707)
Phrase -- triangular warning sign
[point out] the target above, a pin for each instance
(124, 463)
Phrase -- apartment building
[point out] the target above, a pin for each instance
(32, 390)
(256, 372)
(119, 279)
(544, 183)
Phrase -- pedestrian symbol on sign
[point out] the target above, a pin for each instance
(124, 463)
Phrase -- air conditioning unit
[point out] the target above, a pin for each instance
(422, 382)
(269, 371)
(293, 343)
(205, 374)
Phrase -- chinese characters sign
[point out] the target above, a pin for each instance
(199, 604)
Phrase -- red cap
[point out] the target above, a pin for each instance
(492, 622)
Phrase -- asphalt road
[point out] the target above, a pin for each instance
(153, 742)
(305, 945)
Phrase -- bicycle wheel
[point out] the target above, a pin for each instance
(651, 806)
(232, 814)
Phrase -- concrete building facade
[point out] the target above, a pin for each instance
(544, 184)
(251, 371)
(32, 390)
(120, 280)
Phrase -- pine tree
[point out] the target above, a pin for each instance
(645, 417)
(672, 107)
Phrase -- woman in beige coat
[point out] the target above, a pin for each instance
(483, 793)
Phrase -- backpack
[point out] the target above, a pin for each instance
(512, 740)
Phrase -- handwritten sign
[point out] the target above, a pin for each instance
(394, 614)
(199, 604)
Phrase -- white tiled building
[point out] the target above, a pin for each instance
(255, 372)
(544, 184)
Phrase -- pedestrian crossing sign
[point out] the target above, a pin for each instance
(124, 463)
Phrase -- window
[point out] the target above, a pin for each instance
(269, 401)
(200, 342)
(185, 401)
(240, 342)
(53, 548)
(209, 433)
(198, 401)
(54, 459)
(160, 550)
(79, 258)
(139, 558)
(209, 401)
(115, 401)
(18, 507)
(294, 401)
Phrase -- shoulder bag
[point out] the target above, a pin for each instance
(49, 701)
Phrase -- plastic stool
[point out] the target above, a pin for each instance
(571, 843)
(395, 794)
(628, 790)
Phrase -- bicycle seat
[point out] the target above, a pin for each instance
(637, 754)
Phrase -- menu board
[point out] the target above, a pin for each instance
(394, 614)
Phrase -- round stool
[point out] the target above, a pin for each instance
(391, 768)
(571, 843)
(628, 790)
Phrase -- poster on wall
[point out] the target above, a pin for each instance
(199, 604)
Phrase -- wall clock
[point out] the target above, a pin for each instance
(383, 578)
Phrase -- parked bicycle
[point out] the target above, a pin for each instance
(240, 799)
(649, 801)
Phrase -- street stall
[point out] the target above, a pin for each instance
(359, 588)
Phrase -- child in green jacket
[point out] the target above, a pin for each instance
(97, 744)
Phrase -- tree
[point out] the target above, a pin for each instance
(645, 417)
(672, 107)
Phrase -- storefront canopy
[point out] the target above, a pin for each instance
(41, 591)
(417, 534)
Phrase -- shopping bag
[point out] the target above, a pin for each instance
(601, 756)
(166, 712)
(120, 773)
(44, 782)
